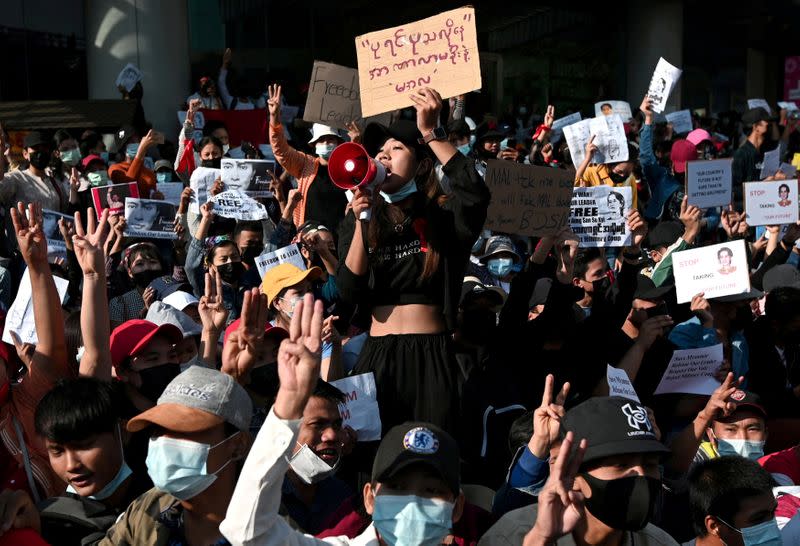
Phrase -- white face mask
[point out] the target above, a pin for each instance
(225, 148)
(309, 467)
(749, 449)
(324, 150)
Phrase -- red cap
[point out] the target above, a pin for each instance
(270, 330)
(132, 336)
(682, 151)
(91, 157)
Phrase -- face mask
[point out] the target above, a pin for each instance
(250, 253)
(131, 150)
(465, 149)
(104, 157)
(409, 520)
(749, 449)
(309, 467)
(500, 267)
(113, 485)
(98, 178)
(292, 305)
(763, 534)
(156, 379)
(516, 268)
(225, 148)
(212, 163)
(163, 177)
(504, 144)
(40, 160)
(625, 504)
(71, 157)
(617, 178)
(324, 150)
(142, 279)
(180, 467)
(230, 272)
(601, 286)
(407, 190)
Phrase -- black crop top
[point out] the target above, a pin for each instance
(396, 266)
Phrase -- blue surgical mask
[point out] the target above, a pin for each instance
(122, 475)
(409, 520)
(500, 267)
(132, 149)
(104, 157)
(98, 178)
(163, 177)
(749, 449)
(516, 268)
(71, 157)
(763, 534)
(504, 144)
(409, 189)
(149, 163)
(324, 150)
(180, 467)
(465, 148)
(472, 139)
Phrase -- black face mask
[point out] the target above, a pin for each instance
(142, 279)
(212, 163)
(624, 504)
(617, 178)
(155, 380)
(478, 326)
(40, 160)
(230, 272)
(600, 287)
(250, 253)
(264, 380)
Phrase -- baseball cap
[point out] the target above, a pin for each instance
(198, 399)
(418, 442)
(781, 276)
(612, 425)
(697, 136)
(458, 126)
(485, 132)
(92, 158)
(404, 130)
(167, 284)
(473, 289)
(755, 115)
(270, 330)
(646, 289)
(682, 151)
(319, 130)
(34, 138)
(162, 164)
(180, 300)
(285, 275)
(747, 399)
(132, 336)
(751, 294)
(664, 234)
(500, 243)
(161, 313)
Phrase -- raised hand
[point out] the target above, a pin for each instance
(25, 351)
(428, 104)
(213, 314)
(702, 309)
(638, 228)
(353, 131)
(186, 197)
(74, 180)
(67, 230)
(591, 147)
(652, 329)
(550, 116)
(89, 244)
(690, 217)
(217, 188)
(194, 106)
(274, 102)
(227, 57)
(547, 419)
(719, 404)
(30, 236)
(329, 332)
(241, 348)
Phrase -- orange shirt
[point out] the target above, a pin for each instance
(134, 171)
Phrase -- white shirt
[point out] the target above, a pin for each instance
(252, 518)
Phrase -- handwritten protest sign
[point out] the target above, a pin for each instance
(708, 183)
(171, 191)
(598, 216)
(526, 199)
(149, 218)
(665, 76)
(251, 176)
(201, 181)
(619, 384)
(771, 203)
(113, 197)
(286, 255)
(759, 103)
(236, 204)
(716, 270)
(360, 408)
(692, 371)
(609, 136)
(440, 52)
(608, 107)
(56, 246)
(771, 163)
(557, 131)
(681, 121)
(334, 97)
(20, 315)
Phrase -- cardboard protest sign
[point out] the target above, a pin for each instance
(708, 183)
(56, 246)
(665, 76)
(692, 371)
(236, 204)
(171, 191)
(608, 107)
(681, 121)
(557, 130)
(771, 163)
(113, 197)
(288, 254)
(149, 219)
(360, 408)
(788, 106)
(20, 315)
(334, 97)
(250, 176)
(609, 136)
(527, 199)
(619, 384)
(440, 52)
(201, 182)
(716, 270)
(128, 77)
(759, 103)
(598, 216)
(771, 203)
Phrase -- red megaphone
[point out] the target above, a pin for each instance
(350, 167)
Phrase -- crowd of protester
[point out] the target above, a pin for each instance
(175, 396)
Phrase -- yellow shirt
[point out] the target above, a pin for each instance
(599, 175)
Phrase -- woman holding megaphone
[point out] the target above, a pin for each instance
(407, 261)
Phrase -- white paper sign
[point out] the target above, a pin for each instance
(759, 103)
(288, 254)
(681, 121)
(771, 163)
(788, 106)
(708, 183)
(608, 107)
(665, 76)
(251, 176)
(609, 136)
(619, 384)
(716, 270)
(20, 315)
(692, 371)
(360, 409)
(557, 131)
(235, 204)
(771, 203)
(171, 191)
(201, 181)
(128, 77)
(598, 215)
(149, 218)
